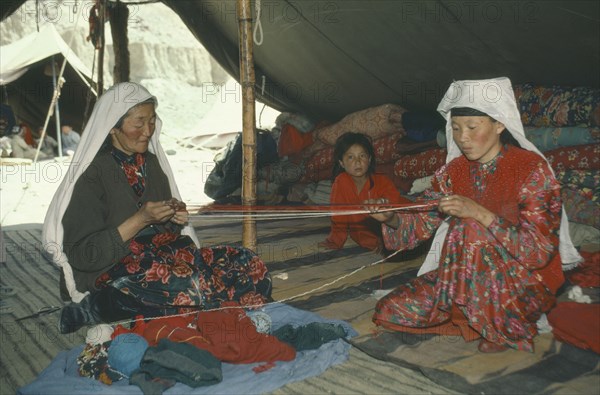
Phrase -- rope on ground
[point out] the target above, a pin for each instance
(198, 309)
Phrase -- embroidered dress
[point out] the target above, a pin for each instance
(491, 282)
(165, 268)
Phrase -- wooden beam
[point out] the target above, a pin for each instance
(118, 16)
(101, 4)
(244, 14)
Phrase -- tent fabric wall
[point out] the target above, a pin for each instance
(331, 58)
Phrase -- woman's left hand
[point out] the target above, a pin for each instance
(373, 205)
(462, 207)
(180, 217)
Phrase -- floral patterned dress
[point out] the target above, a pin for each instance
(492, 282)
(166, 269)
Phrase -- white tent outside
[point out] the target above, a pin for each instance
(17, 57)
(30, 72)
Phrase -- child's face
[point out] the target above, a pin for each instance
(356, 161)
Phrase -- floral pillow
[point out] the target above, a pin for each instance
(586, 182)
(558, 106)
(579, 157)
(375, 122)
(420, 165)
(385, 148)
(580, 208)
(319, 166)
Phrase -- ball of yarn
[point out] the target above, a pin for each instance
(125, 353)
(99, 334)
(261, 320)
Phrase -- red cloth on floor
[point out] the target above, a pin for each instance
(587, 274)
(577, 324)
(138, 328)
(228, 334)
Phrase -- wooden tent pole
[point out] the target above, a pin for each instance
(244, 14)
(56, 110)
(101, 19)
(118, 16)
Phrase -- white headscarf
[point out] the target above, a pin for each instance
(496, 98)
(111, 106)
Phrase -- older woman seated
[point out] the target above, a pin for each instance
(118, 229)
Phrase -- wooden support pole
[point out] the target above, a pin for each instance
(101, 19)
(244, 14)
(118, 16)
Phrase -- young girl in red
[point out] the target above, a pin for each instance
(355, 183)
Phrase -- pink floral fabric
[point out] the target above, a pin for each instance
(420, 165)
(386, 148)
(319, 166)
(375, 122)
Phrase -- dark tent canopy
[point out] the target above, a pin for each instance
(328, 58)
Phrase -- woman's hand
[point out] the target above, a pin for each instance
(155, 212)
(180, 217)
(181, 214)
(462, 207)
(150, 213)
(387, 217)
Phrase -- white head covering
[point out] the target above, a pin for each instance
(111, 106)
(496, 98)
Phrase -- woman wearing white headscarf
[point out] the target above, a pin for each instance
(499, 219)
(116, 226)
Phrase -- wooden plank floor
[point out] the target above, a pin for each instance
(27, 347)
(304, 276)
